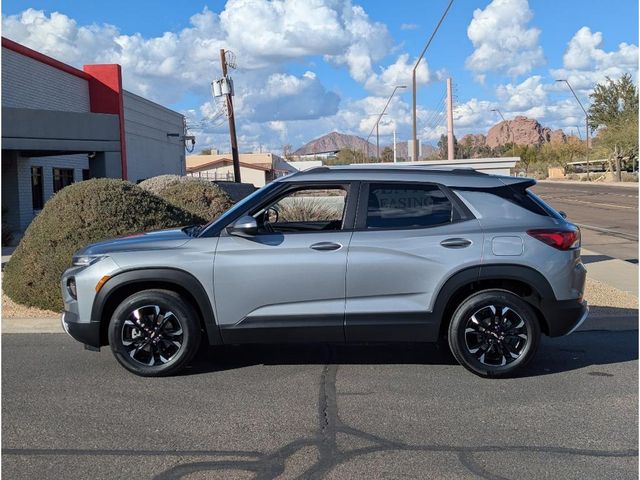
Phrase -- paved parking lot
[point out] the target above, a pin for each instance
(325, 412)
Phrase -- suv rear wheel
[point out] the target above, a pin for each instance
(154, 333)
(493, 333)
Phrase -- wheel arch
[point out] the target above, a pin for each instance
(524, 281)
(128, 282)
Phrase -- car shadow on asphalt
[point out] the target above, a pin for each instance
(610, 336)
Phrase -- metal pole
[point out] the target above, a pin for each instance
(382, 113)
(450, 145)
(586, 117)
(232, 124)
(395, 158)
(415, 68)
(377, 143)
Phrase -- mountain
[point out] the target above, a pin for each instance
(333, 142)
(522, 131)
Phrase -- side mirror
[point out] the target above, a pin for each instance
(562, 214)
(246, 226)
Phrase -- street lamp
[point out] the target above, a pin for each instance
(513, 138)
(586, 117)
(415, 68)
(378, 121)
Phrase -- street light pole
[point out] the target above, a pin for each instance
(415, 68)
(586, 122)
(378, 121)
(513, 138)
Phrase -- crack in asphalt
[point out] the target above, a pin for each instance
(330, 455)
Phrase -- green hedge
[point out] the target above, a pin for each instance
(78, 215)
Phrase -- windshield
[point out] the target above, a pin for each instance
(223, 219)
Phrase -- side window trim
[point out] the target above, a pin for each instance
(460, 211)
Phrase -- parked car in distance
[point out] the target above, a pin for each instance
(342, 254)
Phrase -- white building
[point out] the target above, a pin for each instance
(62, 125)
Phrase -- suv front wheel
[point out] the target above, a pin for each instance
(494, 332)
(154, 333)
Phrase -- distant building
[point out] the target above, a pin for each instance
(305, 164)
(311, 156)
(62, 125)
(256, 168)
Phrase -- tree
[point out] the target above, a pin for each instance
(346, 156)
(614, 113)
(528, 155)
(386, 155)
(287, 152)
(443, 147)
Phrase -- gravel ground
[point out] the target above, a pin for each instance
(11, 309)
(596, 293)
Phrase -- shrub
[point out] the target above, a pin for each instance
(80, 214)
(296, 209)
(156, 184)
(200, 197)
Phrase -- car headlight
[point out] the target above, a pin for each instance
(86, 260)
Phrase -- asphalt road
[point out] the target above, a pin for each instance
(608, 215)
(325, 412)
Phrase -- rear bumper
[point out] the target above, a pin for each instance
(564, 317)
(84, 332)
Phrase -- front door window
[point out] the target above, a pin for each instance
(304, 210)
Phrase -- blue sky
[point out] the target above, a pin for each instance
(306, 71)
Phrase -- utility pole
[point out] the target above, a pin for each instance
(395, 158)
(586, 122)
(232, 123)
(415, 68)
(380, 116)
(509, 132)
(450, 137)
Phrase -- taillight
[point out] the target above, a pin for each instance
(561, 238)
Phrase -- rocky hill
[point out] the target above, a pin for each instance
(333, 142)
(522, 131)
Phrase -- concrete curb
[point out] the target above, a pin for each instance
(31, 325)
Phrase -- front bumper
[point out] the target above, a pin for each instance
(564, 317)
(84, 332)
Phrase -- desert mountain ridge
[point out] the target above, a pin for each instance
(521, 131)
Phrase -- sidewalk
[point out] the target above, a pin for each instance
(612, 271)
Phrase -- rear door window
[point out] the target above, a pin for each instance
(395, 206)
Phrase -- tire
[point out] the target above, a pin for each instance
(160, 339)
(493, 333)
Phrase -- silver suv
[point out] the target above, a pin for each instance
(343, 254)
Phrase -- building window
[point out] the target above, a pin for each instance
(37, 190)
(86, 174)
(61, 178)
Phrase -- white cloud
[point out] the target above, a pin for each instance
(585, 63)
(531, 92)
(408, 26)
(502, 39)
(399, 73)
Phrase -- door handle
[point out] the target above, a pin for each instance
(455, 243)
(326, 246)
